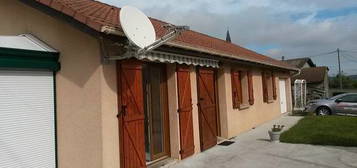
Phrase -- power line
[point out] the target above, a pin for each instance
(328, 53)
(317, 55)
(351, 51)
(322, 54)
(350, 58)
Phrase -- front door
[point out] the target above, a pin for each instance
(143, 114)
(282, 89)
(207, 108)
(185, 111)
(156, 112)
(131, 114)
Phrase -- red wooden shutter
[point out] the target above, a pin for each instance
(265, 87)
(236, 89)
(185, 111)
(131, 117)
(274, 86)
(207, 108)
(250, 88)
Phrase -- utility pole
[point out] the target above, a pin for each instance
(339, 68)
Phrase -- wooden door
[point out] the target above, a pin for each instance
(185, 111)
(131, 114)
(283, 102)
(207, 108)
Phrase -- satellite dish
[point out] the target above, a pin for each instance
(137, 27)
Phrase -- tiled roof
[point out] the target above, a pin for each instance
(312, 75)
(96, 15)
(300, 62)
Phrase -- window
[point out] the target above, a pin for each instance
(349, 99)
(269, 86)
(242, 89)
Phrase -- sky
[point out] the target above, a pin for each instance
(276, 28)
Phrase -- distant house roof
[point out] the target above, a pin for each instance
(97, 15)
(313, 75)
(300, 62)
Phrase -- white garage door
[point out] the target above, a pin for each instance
(27, 121)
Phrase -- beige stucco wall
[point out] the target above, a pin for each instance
(86, 89)
(235, 121)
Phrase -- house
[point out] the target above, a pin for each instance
(316, 77)
(69, 105)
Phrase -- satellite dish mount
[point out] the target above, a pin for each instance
(141, 33)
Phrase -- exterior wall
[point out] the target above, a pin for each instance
(235, 121)
(86, 90)
(173, 107)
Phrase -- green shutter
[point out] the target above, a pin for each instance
(28, 59)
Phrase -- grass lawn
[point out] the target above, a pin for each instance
(323, 130)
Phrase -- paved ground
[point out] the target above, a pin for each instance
(253, 150)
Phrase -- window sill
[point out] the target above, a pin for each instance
(244, 106)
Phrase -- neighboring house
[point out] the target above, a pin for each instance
(316, 77)
(301, 63)
(64, 104)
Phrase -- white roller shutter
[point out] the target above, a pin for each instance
(27, 123)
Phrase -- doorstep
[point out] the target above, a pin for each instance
(164, 163)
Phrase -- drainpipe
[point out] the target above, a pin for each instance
(297, 73)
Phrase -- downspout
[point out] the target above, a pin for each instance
(103, 51)
(297, 73)
(108, 30)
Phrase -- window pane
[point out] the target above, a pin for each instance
(157, 111)
(349, 98)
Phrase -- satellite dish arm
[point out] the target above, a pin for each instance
(175, 31)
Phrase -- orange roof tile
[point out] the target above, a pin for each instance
(97, 14)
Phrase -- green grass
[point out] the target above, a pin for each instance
(323, 130)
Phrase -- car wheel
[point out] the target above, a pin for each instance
(323, 111)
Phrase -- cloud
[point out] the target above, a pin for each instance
(295, 28)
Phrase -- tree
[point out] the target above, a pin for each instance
(347, 82)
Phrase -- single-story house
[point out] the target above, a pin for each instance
(71, 98)
(316, 77)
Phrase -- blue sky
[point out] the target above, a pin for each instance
(275, 28)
